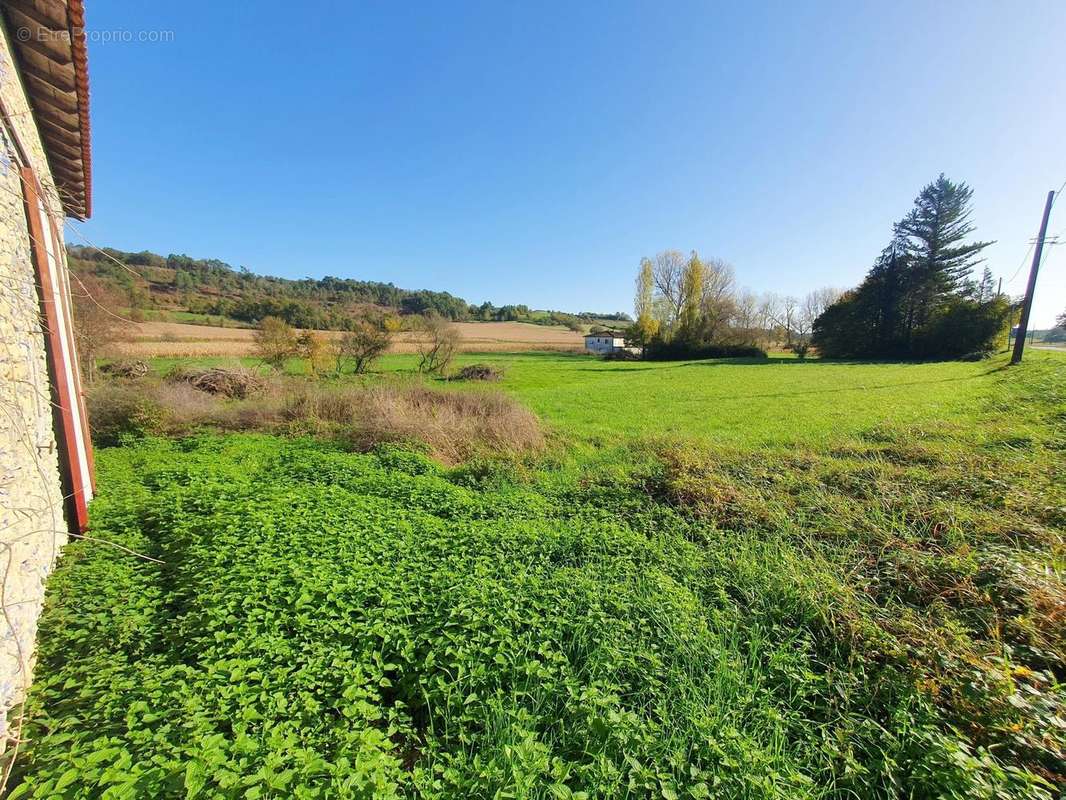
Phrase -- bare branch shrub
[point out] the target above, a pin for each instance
(668, 270)
(438, 346)
(234, 382)
(96, 327)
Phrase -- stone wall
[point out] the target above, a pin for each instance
(32, 527)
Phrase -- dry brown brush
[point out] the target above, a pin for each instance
(236, 382)
(479, 372)
(129, 368)
(451, 425)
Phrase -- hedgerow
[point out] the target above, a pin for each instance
(334, 625)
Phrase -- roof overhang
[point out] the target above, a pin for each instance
(49, 41)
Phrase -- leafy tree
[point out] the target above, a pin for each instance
(845, 329)
(642, 332)
(642, 303)
(690, 303)
(962, 326)
(275, 341)
(1058, 333)
(646, 327)
(440, 303)
(145, 259)
(692, 280)
(569, 321)
(137, 299)
(362, 346)
(614, 316)
(958, 326)
(184, 282)
(313, 347)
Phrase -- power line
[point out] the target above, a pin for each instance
(1032, 242)
(102, 252)
(1021, 263)
(1058, 192)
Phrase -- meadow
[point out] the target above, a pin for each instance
(779, 400)
(773, 579)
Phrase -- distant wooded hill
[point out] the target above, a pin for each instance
(209, 290)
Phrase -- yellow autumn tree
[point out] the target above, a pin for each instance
(692, 281)
(646, 327)
(314, 347)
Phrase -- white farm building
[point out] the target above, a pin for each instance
(604, 342)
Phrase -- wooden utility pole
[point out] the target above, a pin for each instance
(1027, 304)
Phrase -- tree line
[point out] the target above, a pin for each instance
(688, 306)
(356, 350)
(919, 300)
(215, 288)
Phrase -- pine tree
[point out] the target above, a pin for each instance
(985, 290)
(933, 234)
(886, 287)
(918, 300)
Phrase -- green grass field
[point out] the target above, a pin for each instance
(774, 402)
(778, 401)
(721, 579)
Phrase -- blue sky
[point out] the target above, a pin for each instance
(532, 153)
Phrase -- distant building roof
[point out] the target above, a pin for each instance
(606, 335)
(49, 39)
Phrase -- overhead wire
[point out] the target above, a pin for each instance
(1032, 242)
